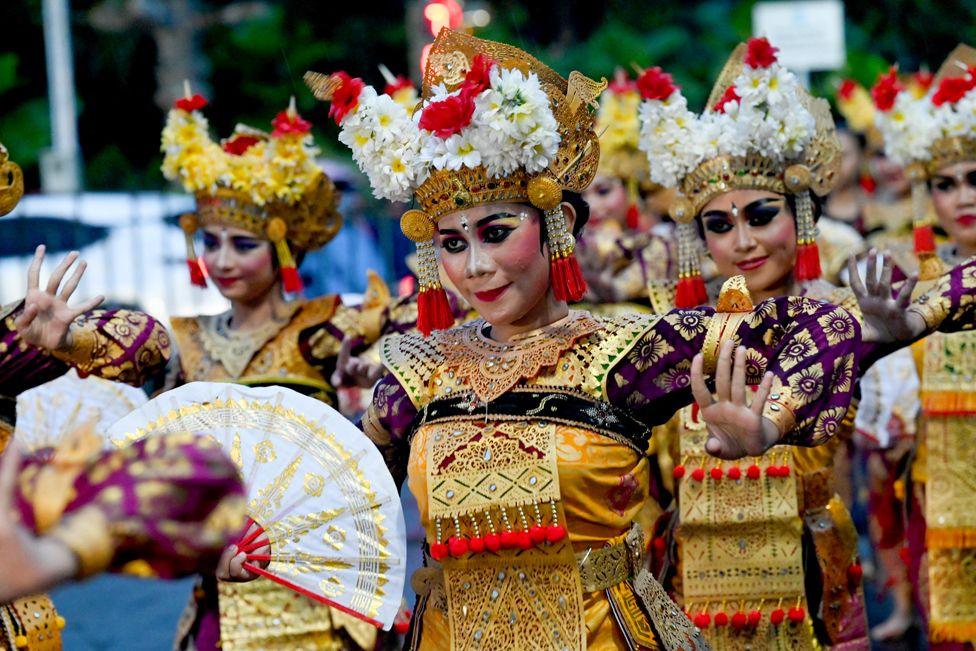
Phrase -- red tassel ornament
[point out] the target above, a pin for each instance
(807, 261)
(567, 278)
(633, 217)
(197, 276)
(291, 281)
(924, 238)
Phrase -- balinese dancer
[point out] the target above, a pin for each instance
(262, 202)
(766, 542)
(625, 246)
(71, 522)
(523, 433)
(934, 137)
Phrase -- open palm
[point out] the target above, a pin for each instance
(46, 319)
(735, 429)
(885, 318)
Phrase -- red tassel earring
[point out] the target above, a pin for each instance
(188, 223)
(291, 281)
(433, 309)
(690, 291)
(565, 273)
(797, 179)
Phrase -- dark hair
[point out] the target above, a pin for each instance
(818, 203)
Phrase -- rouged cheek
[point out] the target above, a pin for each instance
(520, 253)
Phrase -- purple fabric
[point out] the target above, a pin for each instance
(158, 495)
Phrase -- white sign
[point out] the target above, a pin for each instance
(809, 34)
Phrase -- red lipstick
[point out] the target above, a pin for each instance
(752, 263)
(490, 295)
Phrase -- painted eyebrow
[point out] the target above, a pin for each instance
(758, 203)
(484, 221)
(761, 203)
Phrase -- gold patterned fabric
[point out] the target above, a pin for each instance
(278, 353)
(741, 526)
(948, 429)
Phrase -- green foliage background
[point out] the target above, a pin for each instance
(256, 65)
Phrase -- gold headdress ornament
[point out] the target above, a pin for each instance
(761, 130)
(619, 129)
(11, 182)
(495, 124)
(927, 131)
(264, 183)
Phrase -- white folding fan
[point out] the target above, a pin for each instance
(48, 413)
(317, 488)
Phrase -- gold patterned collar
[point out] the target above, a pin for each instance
(491, 368)
(234, 349)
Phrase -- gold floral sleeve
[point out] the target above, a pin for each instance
(119, 345)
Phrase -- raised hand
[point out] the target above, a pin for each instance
(885, 319)
(46, 319)
(28, 564)
(354, 371)
(735, 430)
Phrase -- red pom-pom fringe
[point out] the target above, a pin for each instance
(924, 240)
(807, 262)
(291, 280)
(197, 276)
(567, 279)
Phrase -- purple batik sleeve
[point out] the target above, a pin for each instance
(810, 347)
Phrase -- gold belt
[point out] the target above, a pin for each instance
(600, 568)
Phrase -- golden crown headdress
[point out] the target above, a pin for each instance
(266, 183)
(11, 182)
(761, 130)
(494, 124)
(926, 131)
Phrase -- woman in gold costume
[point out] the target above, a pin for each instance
(523, 434)
(769, 541)
(262, 202)
(936, 143)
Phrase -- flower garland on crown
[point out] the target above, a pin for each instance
(759, 112)
(498, 118)
(266, 169)
(914, 116)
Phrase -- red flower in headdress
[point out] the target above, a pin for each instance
(886, 90)
(288, 122)
(188, 104)
(345, 98)
(847, 88)
(728, 96)
(239, 144)
(760, 53)
(478, 77)
(654, 83)
(951, 90)
(449, 115)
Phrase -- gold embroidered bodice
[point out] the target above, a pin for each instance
(273, 354)
(476, 475)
